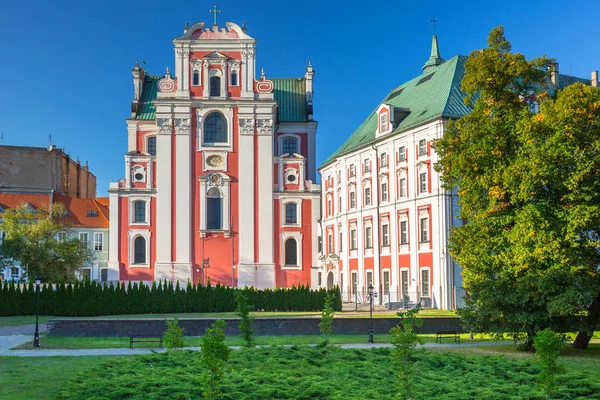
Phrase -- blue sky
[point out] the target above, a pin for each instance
(66, 65)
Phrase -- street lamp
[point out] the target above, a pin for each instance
(370, 291)
(36, 336)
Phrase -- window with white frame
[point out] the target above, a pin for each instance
(368, 237)
(354, 281)
(291, 251)
(215, 129)
(233, 81)
(98, 241)
(329, 243)
(214, 209)
(151, 145)
(139, 174)
(61, 236)
(367, 196)
(422, 147)
(383, 160)
(383, 122)
(351, 170)
(425, 283)
(291, 213)
(386, 282)
(289, 145)
(139, 211)
(340, 205)
(139, 250)
(402, 187)
(402, 154)
(423, 182)
(196, 78)
(353, 239)
(339, 177)
(384, 192)
(367, 164)
(424, 230)
(340, 242)
(369, 278)
(84, 239)
(403, 232)
(352, 200)
(215, 86)
(385, 235)
(329, 207)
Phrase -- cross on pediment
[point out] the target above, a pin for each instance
(214, 11)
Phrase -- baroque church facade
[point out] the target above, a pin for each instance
(220, 173)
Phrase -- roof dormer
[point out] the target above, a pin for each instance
(389, 117)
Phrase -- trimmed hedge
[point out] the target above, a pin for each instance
(88, 299)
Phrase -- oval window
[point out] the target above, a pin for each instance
(291, 178)
(139, 176)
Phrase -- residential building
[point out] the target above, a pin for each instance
(220, 170)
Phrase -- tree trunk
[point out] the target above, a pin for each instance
(589, 325)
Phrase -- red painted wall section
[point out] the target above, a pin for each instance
(126, 271)
(386, 262)
(404, 260)
(425, 259)
(140, 140)
(233, 91)
(353, 264)
(368, 263)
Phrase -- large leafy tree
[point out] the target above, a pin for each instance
(528, 181)
(39, 240)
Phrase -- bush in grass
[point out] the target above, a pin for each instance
(548, 346)
(405, 341)
(326, 324)
(213, 356)
(173, 336)
(243, 311)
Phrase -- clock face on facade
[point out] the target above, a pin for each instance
(215, 160)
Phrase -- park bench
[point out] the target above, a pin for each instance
(440, 334)
(150, 339)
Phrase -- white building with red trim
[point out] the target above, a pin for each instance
(220, 171)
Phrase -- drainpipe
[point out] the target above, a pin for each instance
(378, 222)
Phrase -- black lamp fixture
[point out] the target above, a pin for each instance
(36, 336)
(371, 294)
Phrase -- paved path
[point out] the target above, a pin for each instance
(21, 329)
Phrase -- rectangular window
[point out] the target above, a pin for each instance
(103, 275)
(403, 232)
(424, 230)
(215, 86)
(330, 243)
(340, 243)
(352, 200)
(384, 192)
(86, 273)
(423, 182)
(385, 235)
(234, 78)
(354, 282)
(340, 205)
(384, 122)
(351, 170)
(98, 241)
(425, 283)
(196, 78)
(386, 282)
(368, 237)
(402, 154)
(320, 279)
(352, 239)
(383, 159)
(83, 238)
(402, 186)
(61, 236)
(319, 244)
(329, 208)
(422, 147)
(152, 145)
(367, 165)
(405, 283)
(369, 278)
(14, 272)
(367, 196)
(339, 174)
(290, 146)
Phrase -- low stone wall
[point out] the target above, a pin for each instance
(262, 327)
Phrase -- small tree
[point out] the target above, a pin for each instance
(213, 356)
(405, 341)
(548, 346)
(173, 336)
(243, 311)
(327, 314)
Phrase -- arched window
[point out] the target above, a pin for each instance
(291, 213)
(196, 78)
(214, 207)
(151, 147)
(139, 211)
(215, 128)
(215, 86)
(289, 146)
(291, 252)
(139, 246)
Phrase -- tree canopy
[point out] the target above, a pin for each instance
(39, 240)
(526, 164)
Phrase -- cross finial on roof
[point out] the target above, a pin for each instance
(434, 21)
(215, 12)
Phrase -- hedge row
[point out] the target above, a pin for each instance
(87, 299)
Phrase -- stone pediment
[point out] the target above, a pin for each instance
(215, 55)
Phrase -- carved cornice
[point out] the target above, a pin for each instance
(246, 126)
(182, 126)
(164, 126)
(265, 126)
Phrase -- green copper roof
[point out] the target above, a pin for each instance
(290, 94)
(146, 109)
(434, 94)
(566, 80)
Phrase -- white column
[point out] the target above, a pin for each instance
(127, 172)
(163, 192)
(246, 272)
(185, 77)
(179, 71)
(183, 199)
(113, 233)
(265, 192)
(149, 175)
(205, 84)
(312, 152)
(224, 80)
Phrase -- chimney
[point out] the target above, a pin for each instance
(595, 78)
(554, 76)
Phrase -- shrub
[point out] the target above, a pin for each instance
(213, 356)
(405, 341)
(173, 336)
(548, 346)
(245, 326)
(326, 324)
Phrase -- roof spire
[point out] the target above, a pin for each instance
(434, 58)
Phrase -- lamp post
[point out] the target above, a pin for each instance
(370, 291)
(36, 335)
